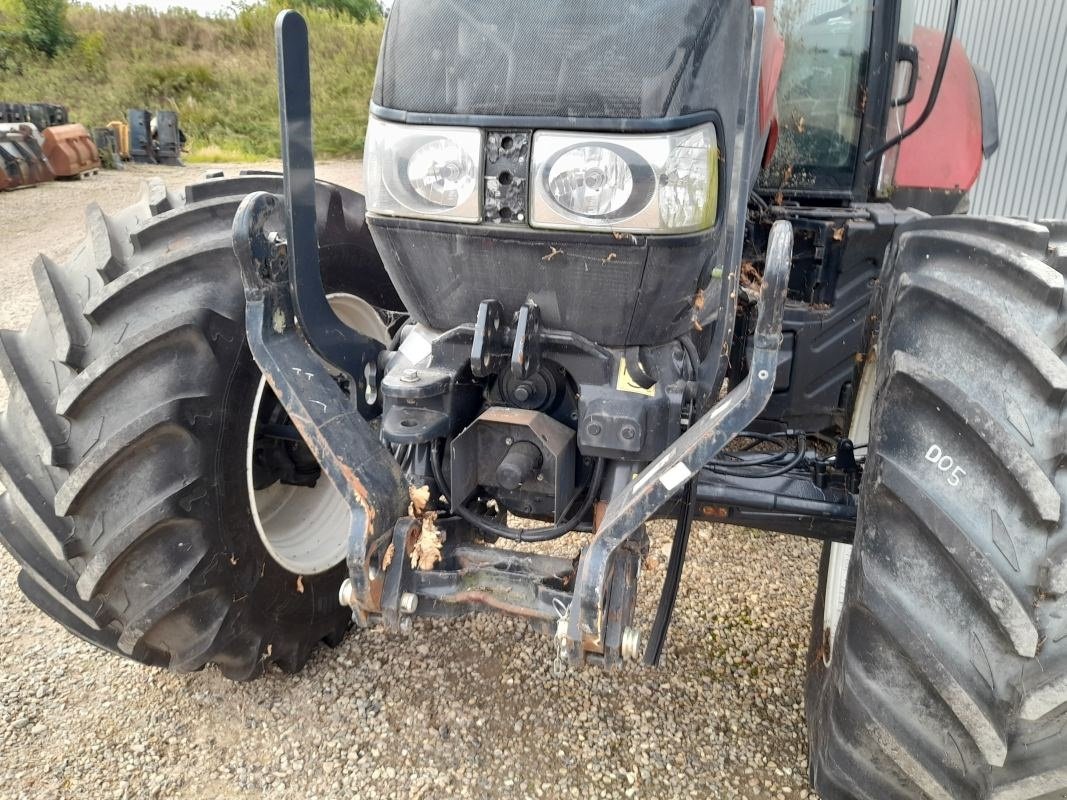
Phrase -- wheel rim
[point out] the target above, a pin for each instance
(304, 529)
(841, 554)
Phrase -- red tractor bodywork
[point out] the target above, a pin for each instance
(773, 60)
(947, 152)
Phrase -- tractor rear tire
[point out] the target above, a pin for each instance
(945, 675)
(122, 449)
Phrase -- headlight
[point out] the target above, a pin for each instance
(659, 183)
(422, 171)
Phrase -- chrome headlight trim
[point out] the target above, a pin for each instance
(449, 163)
(674, 176)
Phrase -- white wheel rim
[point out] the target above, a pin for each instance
(305, 530)
(841, 554)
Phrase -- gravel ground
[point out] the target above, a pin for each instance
(464, 709)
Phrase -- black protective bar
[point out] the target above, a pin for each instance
(286, 311)
(343, 348)
(657, 636)
(657, 483)
(352, 458)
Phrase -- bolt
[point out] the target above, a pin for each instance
(509, 441)
(522, 393)
(631, 644)
(594, 429)
(410, 376)
(628, 432)
(347, 595)
(541, 476)
(763, 374)
(409, 601)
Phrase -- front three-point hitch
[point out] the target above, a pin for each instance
(364, 411)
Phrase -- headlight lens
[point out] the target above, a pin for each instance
(422, 171)
(659, 183)
(590, 181)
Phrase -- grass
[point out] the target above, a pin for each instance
(217, 73)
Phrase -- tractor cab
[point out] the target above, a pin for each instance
(856, 75)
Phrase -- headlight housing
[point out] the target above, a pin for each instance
(652, 183)
(423, 171)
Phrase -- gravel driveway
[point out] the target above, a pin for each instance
(463, 709)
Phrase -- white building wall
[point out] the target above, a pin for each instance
(1023, 45)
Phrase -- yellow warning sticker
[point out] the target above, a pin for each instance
(626, 382)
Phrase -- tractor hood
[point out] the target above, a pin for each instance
(561, 59)
(572, 154)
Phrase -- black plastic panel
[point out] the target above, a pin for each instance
(824, 331)
(507, 176)
(616, 291)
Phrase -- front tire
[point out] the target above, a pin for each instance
(946, 673)
(123, 447)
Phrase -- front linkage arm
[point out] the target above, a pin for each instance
(323, 373)
(326, 375)
(588, 628)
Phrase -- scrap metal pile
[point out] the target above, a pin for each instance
(38, 143)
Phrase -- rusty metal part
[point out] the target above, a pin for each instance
(474, 578)
(22, 160)
(589, 629)
(328, 419)
(71, 151)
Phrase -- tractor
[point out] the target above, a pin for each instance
(614, 262)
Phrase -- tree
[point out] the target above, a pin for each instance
(361, 10)
(44, 26)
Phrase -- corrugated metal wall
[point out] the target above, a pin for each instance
(1023, 45)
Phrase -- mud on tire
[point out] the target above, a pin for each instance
(122, 449)
(947, 675)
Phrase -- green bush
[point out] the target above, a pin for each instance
(175, 82)
(361, 10)
(44, 25)
(92, 50)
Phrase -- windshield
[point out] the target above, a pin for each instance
(820, 96)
